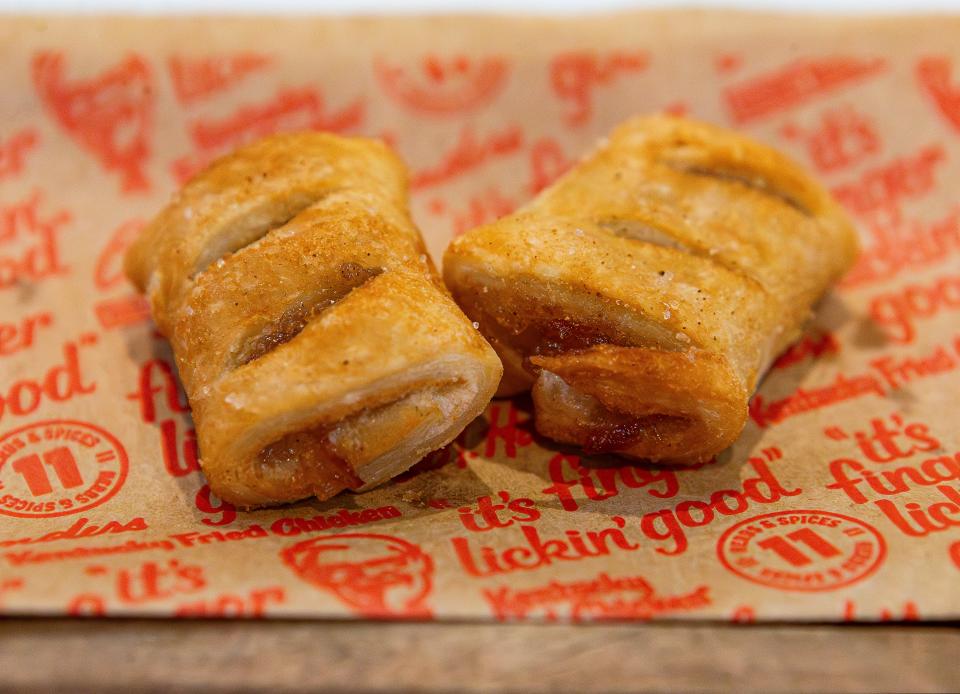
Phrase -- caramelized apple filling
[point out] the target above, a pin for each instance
(322, 459)
(609, 430)
(596, 426)
(310, 453)
(623, 431)
(559, 336)
(295, 318)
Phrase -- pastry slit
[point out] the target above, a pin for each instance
(645, 232)
(757, 181)
(654, 235)
(250, 228)
(296, 318)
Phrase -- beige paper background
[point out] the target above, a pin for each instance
(871, 105)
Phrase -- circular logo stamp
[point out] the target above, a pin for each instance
(58, 467)
(802, 550)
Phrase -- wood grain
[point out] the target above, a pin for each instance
(144, 655)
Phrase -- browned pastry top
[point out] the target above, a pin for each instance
(676, 247)
(315, 341)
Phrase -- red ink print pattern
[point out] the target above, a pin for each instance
(290, 109)
(809, 346)
(905, 246)
(377, 576)
(894, 440)
(575, 75)
(547, 163)
(254, 604)
(59, 467)
(491, 513)
(129, 309)
(157, 386)
(669, 526)
(110, 115)
(908, 613)
(805, 551)
(81, 529)
(537, 550)
(443, 86)
(108, 270)
(601, 597)
(122, 311)
(766, 413)
(150, 582)
(575, 483)
(878, 193)
(344, 518)
(196, 79)
(8, 585)
(483, 207)
(897, 311)
(842, 137)
(796, 84)
(14, 150)
(59, 383)
(469, 153)
(21, 333)
(935, 76)
(727, 63)
(30, 242)
(223, 511)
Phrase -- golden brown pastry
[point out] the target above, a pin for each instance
(316, 344)
(644, 294)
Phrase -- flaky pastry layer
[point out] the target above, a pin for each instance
(643, 295)
(315, 342)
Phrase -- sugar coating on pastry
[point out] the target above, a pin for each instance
(644, 294)
(317, 346)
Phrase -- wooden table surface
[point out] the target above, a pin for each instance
(213, 656)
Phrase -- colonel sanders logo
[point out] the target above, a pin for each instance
(375, 575)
